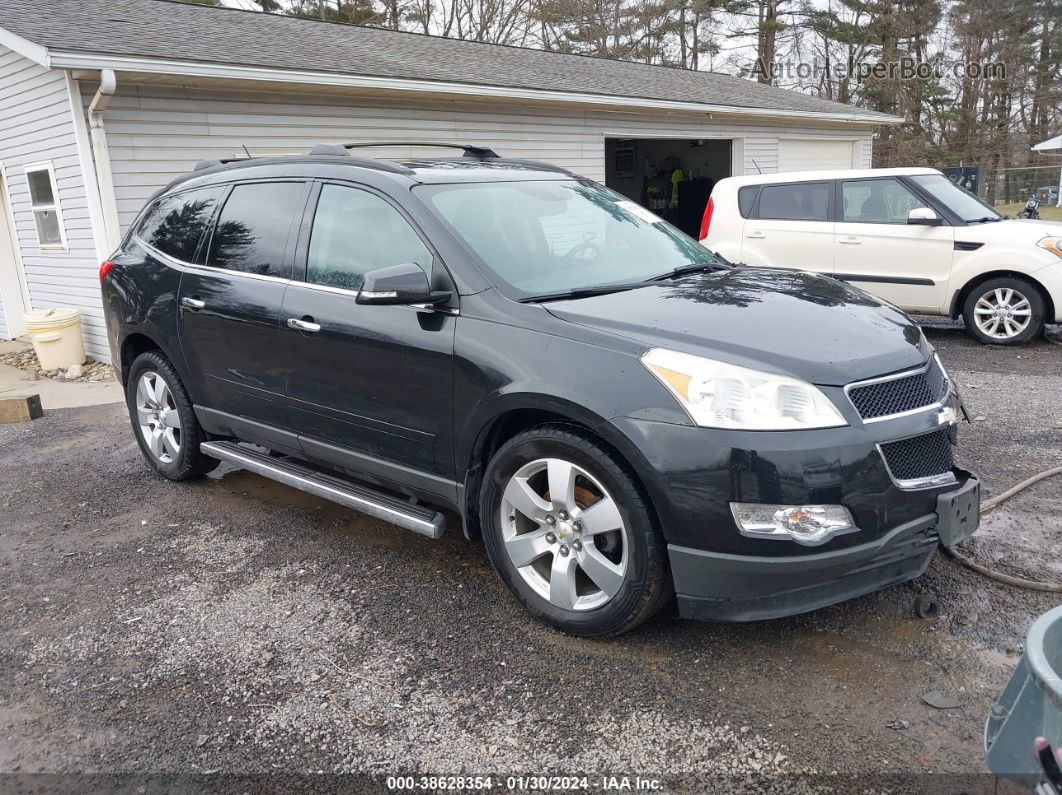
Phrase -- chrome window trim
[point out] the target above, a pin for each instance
(896, 377)
(207, 268)
(916, 484)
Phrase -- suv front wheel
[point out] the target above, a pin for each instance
(570, 535)
(1004, 311)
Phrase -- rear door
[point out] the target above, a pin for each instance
(906, 264)
(791, 228)
(230, 306)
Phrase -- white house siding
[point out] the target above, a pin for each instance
(156, 133)
(36, 125)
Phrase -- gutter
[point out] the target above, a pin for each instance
(157, 66)
(104, 177)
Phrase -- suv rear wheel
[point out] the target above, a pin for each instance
(570, 535)
(163, 419)
(1004, 311)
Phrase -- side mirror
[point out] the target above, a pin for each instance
(923, 216)
(405, 283)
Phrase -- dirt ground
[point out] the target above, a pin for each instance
(202, 633)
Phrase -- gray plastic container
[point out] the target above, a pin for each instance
(1030, 705)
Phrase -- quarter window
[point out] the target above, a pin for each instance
(354, 232)
(798, 201)
(175, 224)
(251, 234)
(44, 200)
(877, 201)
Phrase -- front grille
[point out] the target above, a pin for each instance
(897, 395)
(922, 456)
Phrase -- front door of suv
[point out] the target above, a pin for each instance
(877, 250)
(369, 387)
(229, 307)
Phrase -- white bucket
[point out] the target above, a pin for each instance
(56, 335)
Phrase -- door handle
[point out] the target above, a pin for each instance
(193, 303)
(850, 241)
(757, 235)
(304, 325)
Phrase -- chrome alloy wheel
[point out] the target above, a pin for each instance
(1002, 313)
(564, 534)
(156, 413)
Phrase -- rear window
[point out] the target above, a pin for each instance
(251, 234)
(800, 201)
(175, 224)
(747, 198)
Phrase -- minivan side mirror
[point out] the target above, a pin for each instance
(406, 283)
(923, 216)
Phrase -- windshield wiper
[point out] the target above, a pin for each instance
(582, 292)
(985, 219)
(695, 267)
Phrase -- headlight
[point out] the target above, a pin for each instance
(720, 395)
(1052, 244)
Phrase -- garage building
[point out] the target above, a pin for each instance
(102, 102)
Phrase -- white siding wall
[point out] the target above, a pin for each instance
(36, 125)
(156, 133)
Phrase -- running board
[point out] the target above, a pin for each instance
(381, 506)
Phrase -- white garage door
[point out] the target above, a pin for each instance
(802, 154)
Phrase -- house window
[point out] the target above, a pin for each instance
(44, 199)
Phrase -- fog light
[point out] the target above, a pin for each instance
(806, 524)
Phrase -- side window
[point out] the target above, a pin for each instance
(44, 201)
(175, 224)
(354, 232)
(251, 234)
(877, 201)
(798, 201)
(747, 198)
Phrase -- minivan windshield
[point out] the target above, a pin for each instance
(960, 201)
(549, 237)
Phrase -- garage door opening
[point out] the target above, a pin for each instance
(670, 176)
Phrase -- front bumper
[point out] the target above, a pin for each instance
(715, 586)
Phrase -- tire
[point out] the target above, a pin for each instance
(1023, 321)
(169, 436)
(554, 585)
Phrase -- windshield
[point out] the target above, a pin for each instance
(542, 238)
(959, 200)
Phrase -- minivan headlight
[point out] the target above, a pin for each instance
(720, 395)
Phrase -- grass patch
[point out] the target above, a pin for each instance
(1046, 213)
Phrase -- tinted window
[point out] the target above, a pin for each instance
(877, 201)
(251, 234)
(175, 224)
(354, 232)
(802, 201)
(746, 198)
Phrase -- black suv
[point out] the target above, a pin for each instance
(616, 413)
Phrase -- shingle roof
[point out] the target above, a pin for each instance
(175, 31)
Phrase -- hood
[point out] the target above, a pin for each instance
(799, 324)
(1009, 231)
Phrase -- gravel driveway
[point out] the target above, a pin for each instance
(233, 626)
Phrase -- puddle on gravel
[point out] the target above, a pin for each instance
(251, 485)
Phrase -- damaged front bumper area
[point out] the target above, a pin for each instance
(714, 586)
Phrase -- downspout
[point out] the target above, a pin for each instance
(98, 135)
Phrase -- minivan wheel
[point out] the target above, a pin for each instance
(163, 420)
(1004, 311)
(570, 535)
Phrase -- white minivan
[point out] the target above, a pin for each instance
(908, 235)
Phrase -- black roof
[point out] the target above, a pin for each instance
(160, 29)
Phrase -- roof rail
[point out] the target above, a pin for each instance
(480, 152)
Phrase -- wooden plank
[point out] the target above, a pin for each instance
(21, 409)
